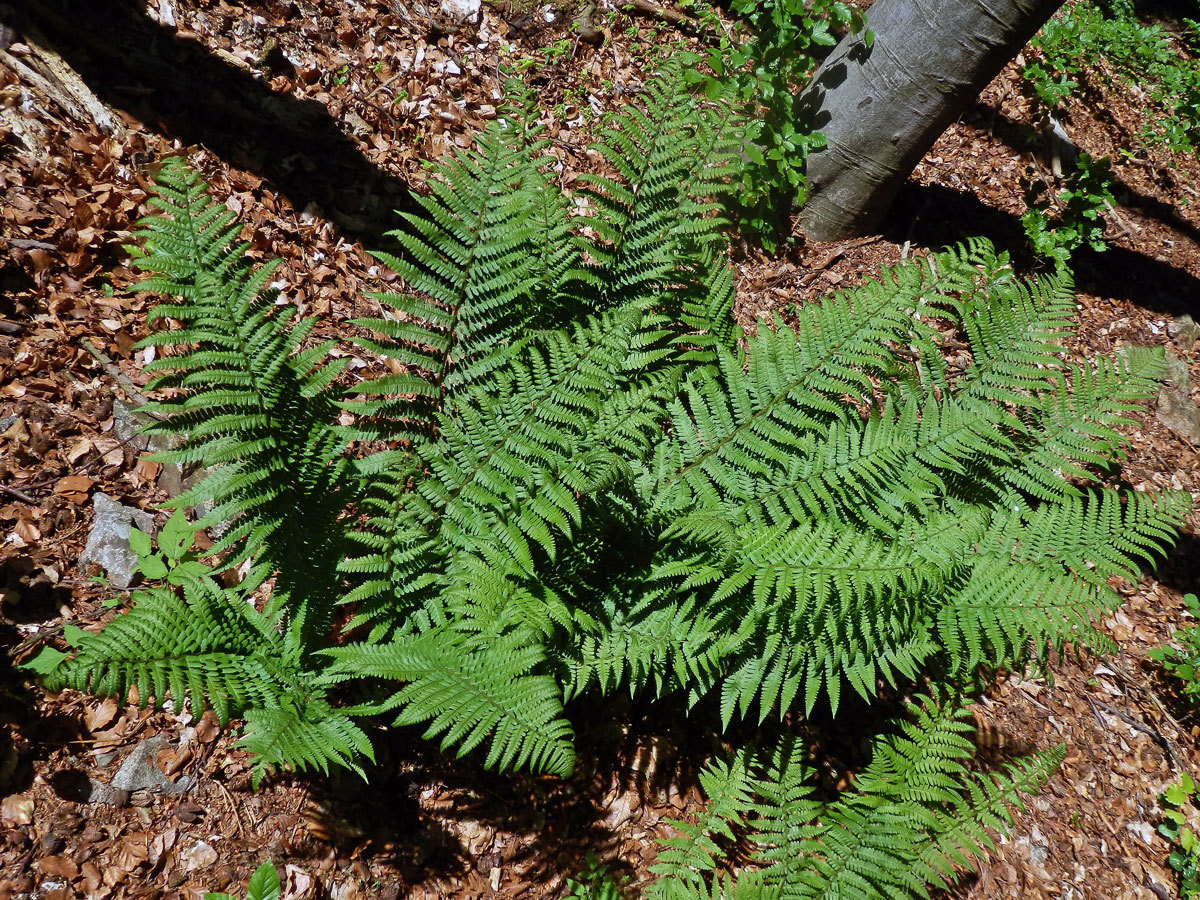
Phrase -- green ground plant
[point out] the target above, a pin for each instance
(763, 65)
(1183, 662)
(1185, 849)
(264, 885)
(596, 882)
(1139, 56)
(580, 476)
(1058, 224)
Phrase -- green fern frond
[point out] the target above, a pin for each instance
(492, 251)
(207, 646)
(303, 733)
(984, 806)
(505, 477)
(733, 423)
(695, 852)
(1076, 425)
(1094, 535)
(914, 814)
(471, 691)
(657, 218)
(1015, 331)
(255, 408)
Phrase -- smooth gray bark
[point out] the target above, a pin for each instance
(881, 108)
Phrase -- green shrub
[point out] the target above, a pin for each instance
(1057, 225)
(1183, 662)
(583, 478)
(763, 66)
(1185, 849)
(1141, 56)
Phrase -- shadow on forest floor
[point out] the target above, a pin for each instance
(180, 89)
(1115, 272)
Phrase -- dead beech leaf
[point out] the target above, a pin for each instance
(132, 851)
(16, 809)
(99, 716)
(189, 813)
(16, 432)
(74, 487)
(27, 531)
(200, 856)
(59, 867)
(91, 878)
(78, 449)
(208, 727)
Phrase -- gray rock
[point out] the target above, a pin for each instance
(1185, 331)
(1176, 408)
(139, 772)
(128, 422)
(108, 541)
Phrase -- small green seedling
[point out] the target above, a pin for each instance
(595, 882)
(175, 560)
(264, 885)
(1059, 224)
(1185, 854)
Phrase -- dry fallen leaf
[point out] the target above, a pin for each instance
(200, 856)
(74, 487)
(101, 715)
(208, 727)
(16, 809)
(59, 867)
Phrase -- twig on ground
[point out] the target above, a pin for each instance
(385, 85)
(131, 390)
(674, 16)
(1126, 226)
(1137, 725)
(24, 244)
(19, 494)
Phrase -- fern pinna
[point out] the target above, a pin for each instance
(585, 478)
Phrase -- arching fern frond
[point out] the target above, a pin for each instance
(1075, 429)
(206, 645)
(303, 733)
(471, 690)
(914, 815)
(491, 250)
(257, 411)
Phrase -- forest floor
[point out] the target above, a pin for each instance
(310, 119)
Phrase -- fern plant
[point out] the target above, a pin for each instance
(584, 478)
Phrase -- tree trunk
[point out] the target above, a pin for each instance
(882, 107)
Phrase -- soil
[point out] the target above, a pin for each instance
(310, 119)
